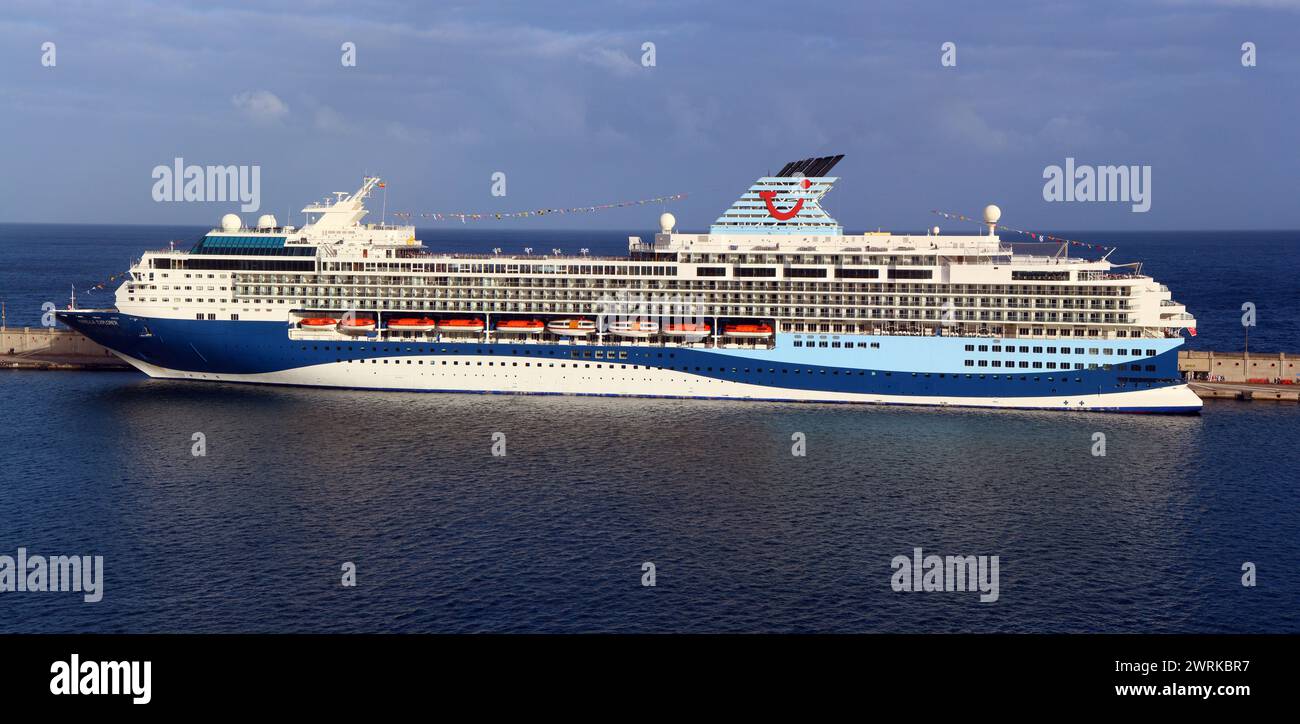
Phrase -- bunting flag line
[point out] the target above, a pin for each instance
(90, 288)
(499, 215)
(1035, 235)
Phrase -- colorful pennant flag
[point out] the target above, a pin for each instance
(463, 217)
(1037, 236)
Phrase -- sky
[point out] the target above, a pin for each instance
(558, 97)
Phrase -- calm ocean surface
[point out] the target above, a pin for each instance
(552, 537)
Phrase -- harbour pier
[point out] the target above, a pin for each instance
(1242, 375)
(50, 348)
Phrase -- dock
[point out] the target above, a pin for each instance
(48, 348)
(1273, 376)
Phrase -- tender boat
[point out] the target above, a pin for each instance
(520, 326)
(411, 324)
(639, 329)
(571, 327)
(460, 325)
(688, 330)
(752, 331)
(357, 326)
(318, 323)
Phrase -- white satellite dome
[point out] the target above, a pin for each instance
(992, 214)
(666, 222)
(266, 221)
(935, 231)
(231, 222)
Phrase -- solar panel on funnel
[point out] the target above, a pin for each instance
(824, 165)
(810, 167)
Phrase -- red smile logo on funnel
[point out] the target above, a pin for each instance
(769, 197)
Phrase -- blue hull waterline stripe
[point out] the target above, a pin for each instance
(253, 347)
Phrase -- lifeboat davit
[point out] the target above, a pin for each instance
(411, 324)
(688, 330)
(571, 327)
(318, 323)
(357, 326)
(461, 325)
(520, 326)
(752, 331)
(634, 328)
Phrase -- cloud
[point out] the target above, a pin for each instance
(261, 106)
(1077, 131)
(615, 61)
(331, 121)
(967, 128)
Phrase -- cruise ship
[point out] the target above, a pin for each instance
(775, 302)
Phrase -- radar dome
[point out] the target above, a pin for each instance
(935, 231)
(992, 214)
(231, 222)
(266, 221)
(666, 222)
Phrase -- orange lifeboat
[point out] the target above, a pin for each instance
(688, 330)
(571, 327)
(317, 323)
(411, 324)
(752, 331)
(520, 326)
(639, 329)
(357, 326)
(460, 325)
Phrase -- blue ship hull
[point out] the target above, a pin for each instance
(862, 368)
